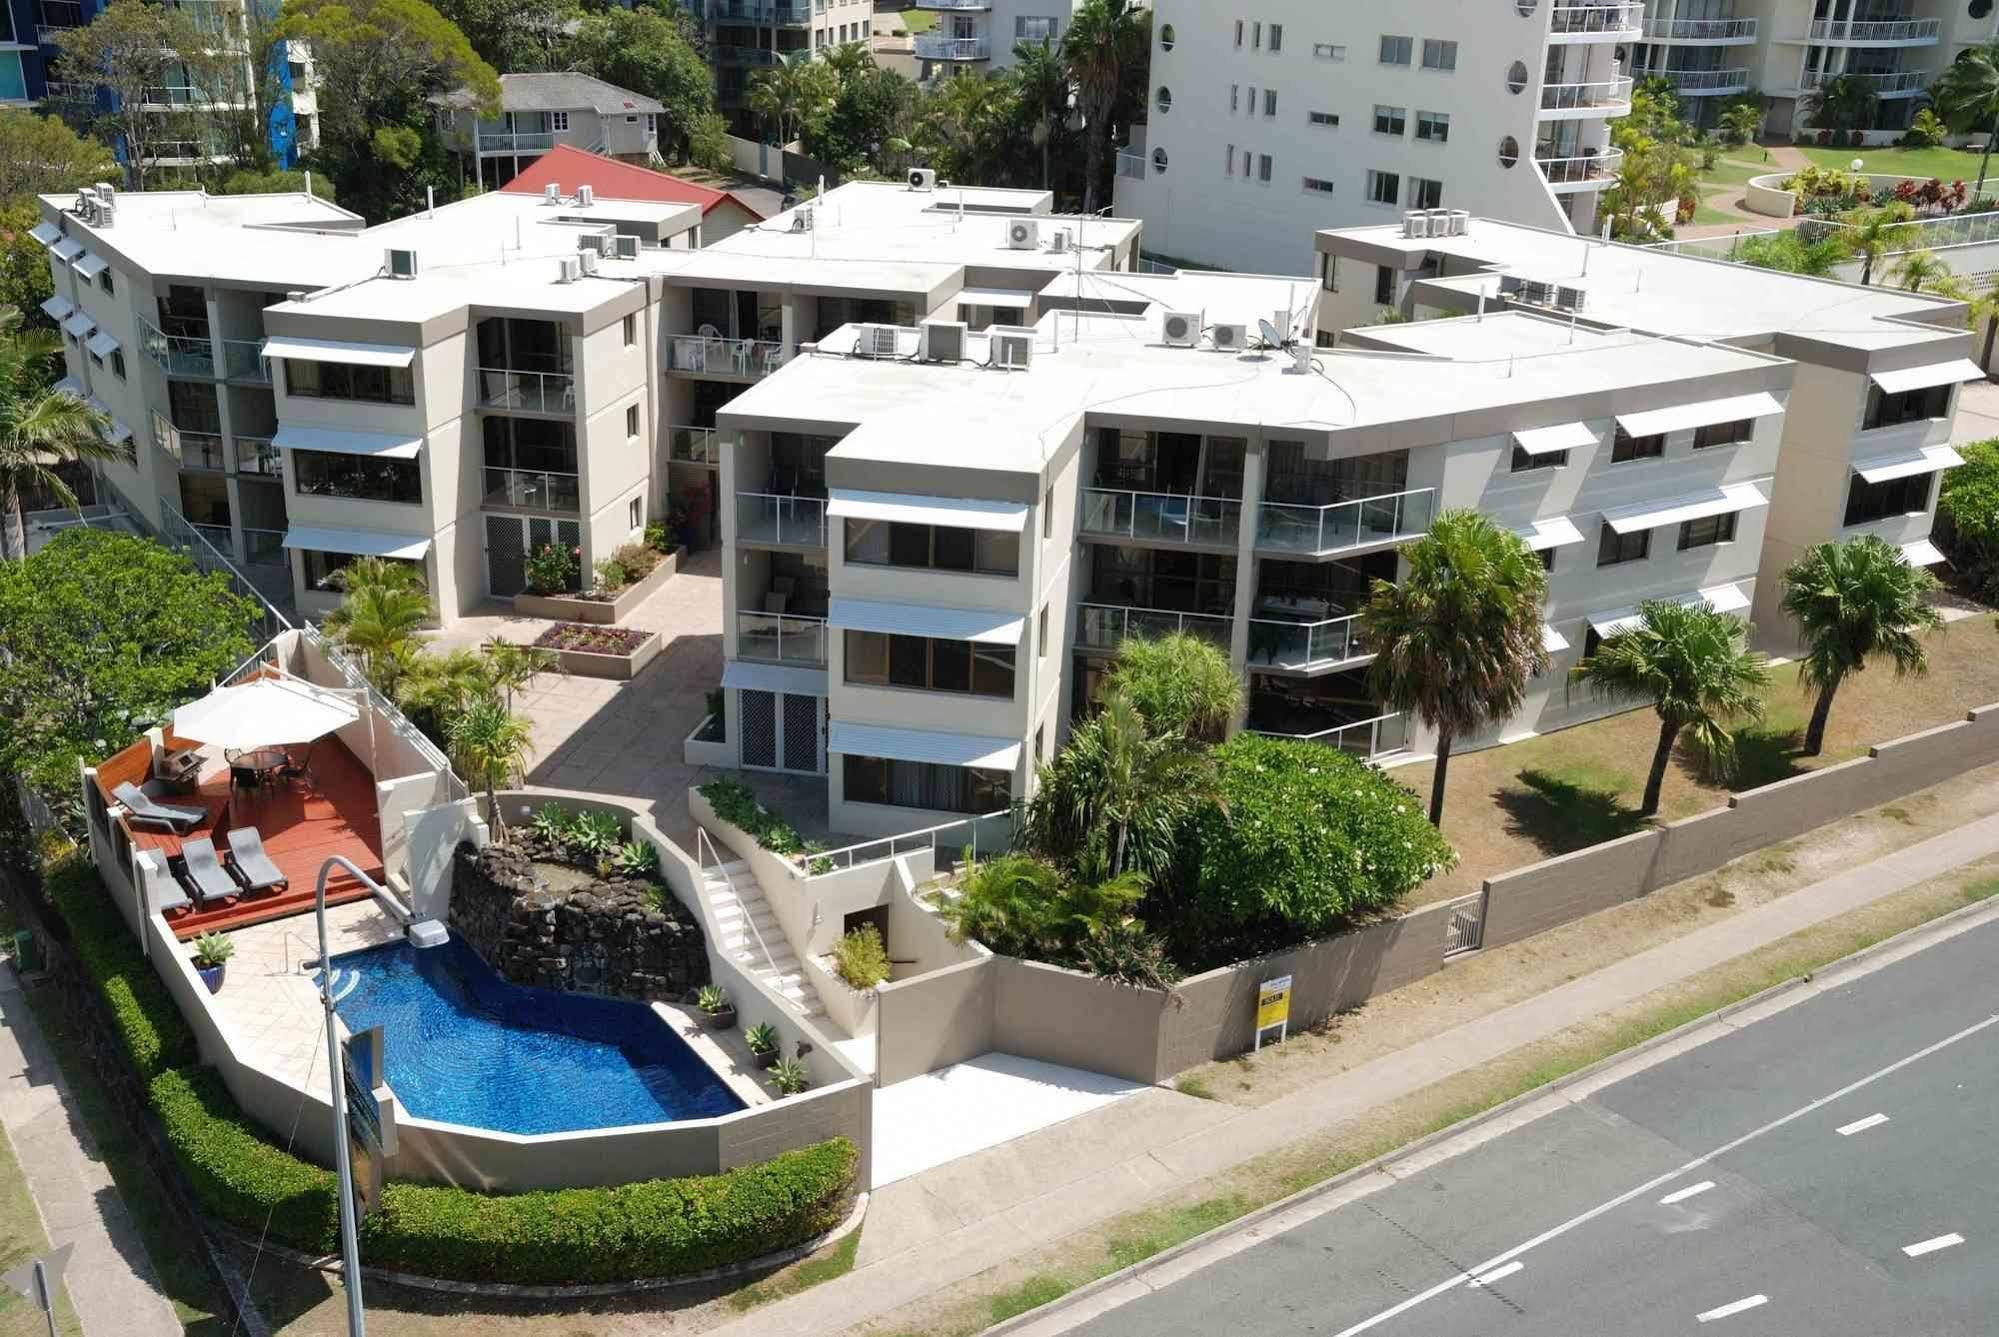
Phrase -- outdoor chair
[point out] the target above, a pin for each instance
(173, 898)
(141, 807)
(297, 769)
(253, 867)
(206, 877)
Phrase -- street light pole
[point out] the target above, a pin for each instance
(350, 1244)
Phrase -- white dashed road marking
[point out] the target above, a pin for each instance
(1487, 1278)
(1931, 1246)
(1749, 1302)
(1861, 1125)
(1687, 1192)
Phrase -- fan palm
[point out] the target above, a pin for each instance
(1873, 233)
(1044, 86)
(1854, 601)
(1182, 684)
(1456, 640)
(385, 603)
(439, 688)
(490, 746)
(1966, 95)
(1919, 268)
(1691, 664)
(1106, 41)
(512, 666)
(39, 427)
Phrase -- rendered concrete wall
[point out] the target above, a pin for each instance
(935, 1020)
(1060, 1016)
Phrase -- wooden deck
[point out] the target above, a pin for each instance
(300, 828)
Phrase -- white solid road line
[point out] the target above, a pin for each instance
(1683, 1194)
(1861, 1125)
(1487, 1278)
(1748, 1302)
(1931, 1246)
(1658, 1181)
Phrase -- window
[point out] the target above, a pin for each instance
(1263, 167)
(1159, 161)
(973, 668)
(348, 380)
(635, 513)
(1708, 531)
(918, 784)
(1256, 36)
(1269, 102)
(1037, 744)
(631, 330)
(933, 547)
(1425, 193)
(1384, 283)
(1614, 547)
(1547, 459)
(631, 420)
(1591, 640)
(1328, 51)
(558, 121)
(1041, 634)
(1395, 50)
(1547, 556)
(1384, 187)
(632, 118)
(321, 567)
(1886, 410)
(1031, 28)
(323, 473)
(1276, 38)
(1329, 273)
(1166, 37)
(1388, 120)
(1439, 55)
(1323, 117)
(1433, 126)
(1238, 34)
(1624, 446)
(1723, 433)
(1235, 98)
(1252, 100)
(1228, 163)
(1877, 501)
(1319, 184)
(1048, 513)
(104, 280)
(118, 363)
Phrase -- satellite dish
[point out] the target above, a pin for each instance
(1270, 335)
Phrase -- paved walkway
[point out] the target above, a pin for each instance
(944, 1225)
(1977, 412)
(111, 1281)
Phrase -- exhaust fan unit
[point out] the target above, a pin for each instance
(1181, 329)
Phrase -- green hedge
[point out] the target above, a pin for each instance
(658, 1227)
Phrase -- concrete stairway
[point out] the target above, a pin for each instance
(739, 904)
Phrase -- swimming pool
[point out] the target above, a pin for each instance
(462, 1045)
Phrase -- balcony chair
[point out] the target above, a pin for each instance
(142, 808)
(252, 866)
(204, 875)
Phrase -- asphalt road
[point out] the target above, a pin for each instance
(1831, 1170)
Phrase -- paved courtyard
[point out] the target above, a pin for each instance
(269, 1005)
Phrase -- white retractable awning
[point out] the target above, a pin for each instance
(67, 249)
(358, 542)
(939, 749)
(389, 445)
(1922, 378)
(1548, 440)
(774, 678)
(45, 233)
(1553, 641)
(68, 385)
(1721, 598)
(90, 265)
(908, 508)
(1708, 412)
(1904, 463)
(1696, 506)
(79, 324)
(56, 308)
(1921, 553)
(991, 626)
(1551, 531)
(330, 350)
(102, 344)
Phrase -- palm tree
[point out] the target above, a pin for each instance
(1843, 102)
(1920, 267)
(1106, 41)
(1044, 85)
(1873, 233)
(1691, 663)
(439, 688)
(512, 666)
(490, 746)
(792, 95)
(385, 604)
(1853, 601)
(39, 427)
(1966, 95)
(1182, 684)
(1985, 312)
(1456, 640)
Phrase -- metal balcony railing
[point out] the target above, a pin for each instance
(954, 4)
(1303, 646)
(218, 537)
(1571, 97)
(932, 47)
(1571, 19)
(259, 455)
(70, 90)
(1287, 527)
(746, 55)
(1702, 30)
(765, 517)
(1703, 81)
(1106, 626)
(510, 141)
(1131, 165)
(1893, 81)
(177, 354)
(781, 638)
(173, 95)
(264, 547)
(201, 450)
(529, 391)
(748, 359)
(1585, 170)
(758, 11)
(1362, 738)
(1863, 31)
(695, 445)
(1161, 515)
(532, 489)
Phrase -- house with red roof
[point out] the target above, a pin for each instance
(565, 167)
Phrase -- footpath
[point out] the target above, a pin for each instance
(939, 1227)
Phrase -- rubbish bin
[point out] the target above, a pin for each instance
(26, 956)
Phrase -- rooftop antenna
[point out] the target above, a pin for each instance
(1586, 250)
(430, 203)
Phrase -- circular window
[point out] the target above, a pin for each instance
(1524, 8)
(1509, 151)
(1165, 98)
(1159, 160)
(1165, 37)
(1516, 78)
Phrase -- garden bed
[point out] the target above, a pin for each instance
(591, 651)
(604, 609)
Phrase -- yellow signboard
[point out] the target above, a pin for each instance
(1273, 1007)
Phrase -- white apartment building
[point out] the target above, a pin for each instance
(1269, 120)
(980, 35)
(1785, 49)
(747, 35)
(540, 111)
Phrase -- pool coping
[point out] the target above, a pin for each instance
(712, 1048)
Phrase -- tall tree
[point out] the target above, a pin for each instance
(491, 747)
(514, 666)
(25, 279)
(792, 96)
(1874, 233)
(870, 110)
(1692, 665)
(1456, 639)
(646, 51)
(1853, 602)
(1966, 95)
(1658, 169)
(1180, 683)
(39, 427)
(40, 155)
(135, 50)
(511, 35)
(1043, 86)
(1107, 40)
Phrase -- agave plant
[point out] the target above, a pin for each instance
(761, 1038)
(637, 858)
(788, 1075)
(594, 833)
(550, 824)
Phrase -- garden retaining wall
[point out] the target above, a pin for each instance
(604, 612)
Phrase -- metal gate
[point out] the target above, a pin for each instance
(1464, 928)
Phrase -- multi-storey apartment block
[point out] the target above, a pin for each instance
(1270, 120)
(745, 36)
(980, 35)
(541, 111)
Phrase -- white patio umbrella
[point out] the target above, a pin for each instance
(265, 712)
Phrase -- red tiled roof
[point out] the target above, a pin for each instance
(570, 167)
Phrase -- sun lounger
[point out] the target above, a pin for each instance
(142, 807)
(206, 877)
(173, 898)
(253, 866)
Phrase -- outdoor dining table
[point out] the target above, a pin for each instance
(264, 762)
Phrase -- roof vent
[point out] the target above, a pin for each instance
(551, 193)
(941, 341)
(585, 197)
(877, 341)
(401, 264)
(1012, 347)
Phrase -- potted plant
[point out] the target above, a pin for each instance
(717, 1012)
(762, 1040)
(211, 955)
(788, 1076)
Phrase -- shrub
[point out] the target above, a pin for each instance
(658, 538)
(149, 1024)
(735, 803)
(1180, 683)
(550, 568)
(236, 1174)
(1926, 131)
(860, 957)
(1968, 519)
(639, 560)
(610, 575)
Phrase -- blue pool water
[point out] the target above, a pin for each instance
(463, 1045)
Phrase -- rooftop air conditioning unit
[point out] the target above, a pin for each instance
(1011, 346)
(1058, 241)
(1416, 224)
(625, 248)
(922, 178)
(402, 264)
(1509, 285)
(1229, 338)
(107, 214)
(801, 220)
(1460, 222)
(941, 341)
(878, 341)
(585, 197)
(105, 191)
(1023, 234)
(551, 193)
(1181, 329)
(572, 269)
(1570, 299)
(1440, 222)
(587, 261)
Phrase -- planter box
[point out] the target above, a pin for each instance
(698, 751)
(620, 668)
(604, 612)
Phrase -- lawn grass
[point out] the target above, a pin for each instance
(21, 1238)
(802, 1275)
(914, 21)
(1945, 164)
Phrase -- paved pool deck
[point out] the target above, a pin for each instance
(269, 1006)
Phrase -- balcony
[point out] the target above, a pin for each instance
(1591, 171)
(243, 360)
(1161, 517)
(745, 55)
(173, 95)
(264, 547)
(1106, 626)
(1376, 737)
(69, 90)
(737, 359)
(695, 445)
(1875, 32)
(532, 490)
(1892, 83)
(778, 521)
(47, 33)
(193, 356)
(1306, 647)
(1702, 83)
(932, 47)
(954, 4)
(1341, 526)
(202, 450)
(1590, 22)
(527, 391)
(259, 456)
(1715, 32)
(757, 11)
(781, 638)
(510, 141)
(1131, 165)
(1610, 97)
